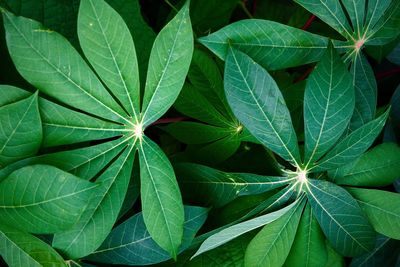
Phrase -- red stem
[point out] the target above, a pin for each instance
(305, 75)
(387, 73)
(254, 7)
(169, 120)
(308, 23)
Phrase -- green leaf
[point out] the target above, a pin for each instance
(239, 229)
(365, 92)
(21, 249)
(385, 253)
(394, 55)
(113, 58)
(330, 12)
(382, 209)
(356, 11)
(136, 247)
(47, 61)
(256, 101)
(161, 200)
(102, 211)
(168, 65)
(193, 104)
(334, 258)
(196, 133)
(43, 199)
(270, 44)
(21, 130)
(353, 145)
(217, 188)
(308, 248)
(328, 105)
(272, 244)
(341, 219)
(378, 167)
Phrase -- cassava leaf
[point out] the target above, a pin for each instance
(102, 210)
(270, 44)
(43, 199)
(137, 247)
(353, 145)
(22, 249)
(356, 11)
(378, 167)
(217, 188)
(341, 219)
(272, 244)
(21, 130)
(168, 65)
(161, 200)
(256, 101)
(328, 105)
(107, 43)
(382, 209)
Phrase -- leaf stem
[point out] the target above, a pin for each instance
(169, 120)
(388, 73)
(246, 11)
(308, 22)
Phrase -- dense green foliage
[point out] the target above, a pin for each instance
(280, 143)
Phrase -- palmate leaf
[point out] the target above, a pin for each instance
(256, 101)
(353, 145)
(137, 247)
(382, 209)
(43, 199)
(341, 219)
(21, 249)
(98, 112)
(239, 229)
(308, 248)
(20, 129)
(272, 244)
(378, 167)
(271, 44)
(101, 212)
(328, 105)
(168, 65)
(217, 188)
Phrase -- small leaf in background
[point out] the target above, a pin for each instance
(43, 199)
(328, 105)
(256, 101)
(21, 130)
(137, 247)
(341, 219)
(270, 44)
(382, 209)
(378, 167)
(22, 249)
(272, 244)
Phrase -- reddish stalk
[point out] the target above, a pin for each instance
(308, 23)
(388, 73)
(169, 120)
(305, 75)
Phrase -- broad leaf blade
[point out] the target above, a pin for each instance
(47, 61)
(328, 105)
(341, 219)
(22, 249)
(102, 211)
(330, 12)
(382, 209)
(43, 199)
(353, 145)
(272, 244)
(308, 249)
(161, 200)
(365, 92)
(239, 229)
(356, 11)
(217, 188)
(270, 44)
(378, 167)
(107, 43)
(21, 130)
(169, 63)
(136, 247)
(256, 101)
